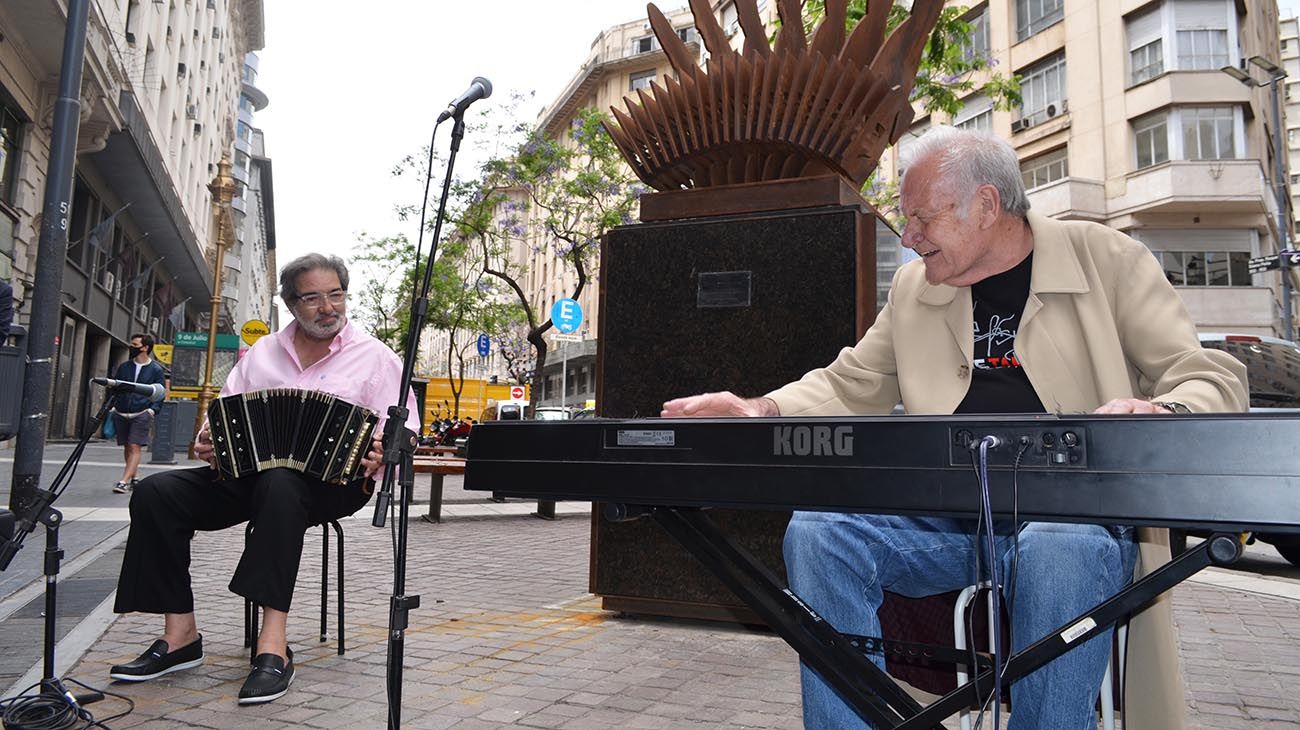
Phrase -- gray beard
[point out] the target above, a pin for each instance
(323, 332)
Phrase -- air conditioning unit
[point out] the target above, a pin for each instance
(153, 324)
(142, 313)
(1020, 125)
(191, 112)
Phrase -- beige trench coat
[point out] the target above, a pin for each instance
(1101, 322)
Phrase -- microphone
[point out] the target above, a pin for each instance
(479, 88)
(153, 391)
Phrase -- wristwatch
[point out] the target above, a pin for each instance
(1172, 406)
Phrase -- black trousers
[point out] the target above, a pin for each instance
(168, 507)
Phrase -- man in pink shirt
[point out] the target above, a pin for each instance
(319, 350)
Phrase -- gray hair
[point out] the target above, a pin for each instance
(311, 262)
(968, 158)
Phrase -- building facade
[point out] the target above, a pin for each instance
(1289, 41)
(250, 276)
(158, 110)
(1127, 119)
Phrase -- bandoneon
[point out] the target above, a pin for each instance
(318, 434)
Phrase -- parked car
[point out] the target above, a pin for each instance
(551, 413)
(1273, 371)
(585, 413)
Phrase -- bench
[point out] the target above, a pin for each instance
(437, 467)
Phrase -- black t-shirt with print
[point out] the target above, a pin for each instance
(998, 382)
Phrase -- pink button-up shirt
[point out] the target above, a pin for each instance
(359, 369)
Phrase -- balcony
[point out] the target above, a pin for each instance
(1070, 198)
(1230, 309)
(1195, 186)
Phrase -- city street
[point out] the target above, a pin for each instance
(506, 634)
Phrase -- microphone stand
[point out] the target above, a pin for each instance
(41, 511)
(400, 442)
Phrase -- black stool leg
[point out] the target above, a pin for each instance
(324, 576)
(338, 530)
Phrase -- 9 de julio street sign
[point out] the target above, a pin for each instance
(1260, 264)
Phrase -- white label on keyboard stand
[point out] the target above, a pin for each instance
(647, 438)
(1077, 630)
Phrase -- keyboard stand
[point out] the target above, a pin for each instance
(840, 658)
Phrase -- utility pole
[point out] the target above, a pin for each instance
(223, 191)
(1276, 74)
(51, 252)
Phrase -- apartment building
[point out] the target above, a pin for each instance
(250, 276)
(1128, 120)
(160, 93)
(1289, 40)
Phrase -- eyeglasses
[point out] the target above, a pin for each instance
(315, 299)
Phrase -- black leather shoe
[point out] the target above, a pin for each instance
(157, 661)
(269, 679)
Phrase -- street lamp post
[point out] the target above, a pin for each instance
(223, 191)
(1276, 74)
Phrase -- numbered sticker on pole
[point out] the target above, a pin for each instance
(484, 345)
(566, 314)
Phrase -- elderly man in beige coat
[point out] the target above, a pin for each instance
(1007, 311)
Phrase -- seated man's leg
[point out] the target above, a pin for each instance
(284, 504)
(166, 509)
(841, 564)
(1062, 571)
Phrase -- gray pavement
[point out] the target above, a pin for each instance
(507, 636)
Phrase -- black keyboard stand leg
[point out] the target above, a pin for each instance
(865, 687)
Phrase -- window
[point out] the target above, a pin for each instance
(1207, 133)
(1147, 62)
(644, 45)
(1151, 135)
(1042, 89)
(978, 47)
(687, 34)
(11, 130)
(976, 113)
(641, 79)
(1033, 16)
(1202, 50)
(1045, 168)
(1206, 268)
(730, 19)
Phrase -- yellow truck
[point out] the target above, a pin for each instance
(476, 395)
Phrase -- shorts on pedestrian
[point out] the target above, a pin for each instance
(132, 430)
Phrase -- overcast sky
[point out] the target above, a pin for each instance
(355, 88)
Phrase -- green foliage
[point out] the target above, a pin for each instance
(949, 65)
(545, 196)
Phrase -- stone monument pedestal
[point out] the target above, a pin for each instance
(740, 288)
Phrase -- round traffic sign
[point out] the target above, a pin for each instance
(566, 314)
(516, 392)
(253, 330)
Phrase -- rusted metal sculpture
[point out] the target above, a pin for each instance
(829, 105)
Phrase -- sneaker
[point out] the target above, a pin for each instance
(157, 661)
(268, 680)
(122, 487)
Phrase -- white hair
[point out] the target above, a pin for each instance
(968, 159)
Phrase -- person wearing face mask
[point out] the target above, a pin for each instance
(1005, 312)
(133, 415)
(320, 350)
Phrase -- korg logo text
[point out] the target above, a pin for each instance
(813, 441)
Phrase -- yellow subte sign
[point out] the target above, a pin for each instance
(253, 330)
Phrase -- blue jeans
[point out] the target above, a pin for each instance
(841, 565)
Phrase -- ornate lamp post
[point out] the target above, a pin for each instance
(223, 191)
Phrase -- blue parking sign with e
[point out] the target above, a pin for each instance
(484, 345)
(566, 314)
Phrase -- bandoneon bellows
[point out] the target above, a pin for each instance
(316, 433)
